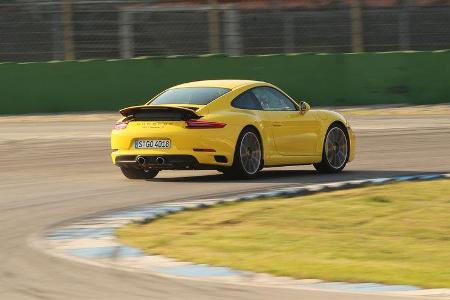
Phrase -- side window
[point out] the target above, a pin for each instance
(272, 99)
(246, 100)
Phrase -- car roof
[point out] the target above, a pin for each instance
(224, 83)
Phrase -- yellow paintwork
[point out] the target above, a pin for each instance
(288, 137)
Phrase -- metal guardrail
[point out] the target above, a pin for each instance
(58, 30)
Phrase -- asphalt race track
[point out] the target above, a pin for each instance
(52, 171)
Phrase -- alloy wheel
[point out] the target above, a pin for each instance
(336, 147)
(250, 153)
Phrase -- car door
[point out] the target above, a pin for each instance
(294, 133)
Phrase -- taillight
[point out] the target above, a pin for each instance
(197, 124)
(120, 125)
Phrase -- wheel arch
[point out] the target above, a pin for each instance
(324, 166)
(253, 127)
(340, 124)
(261, 140)
(327, 127)
(237, 170)
(344, 128)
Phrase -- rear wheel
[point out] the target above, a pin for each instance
(132, 173)
(335, 150)
(247, 156)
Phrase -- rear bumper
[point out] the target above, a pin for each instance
(164, 161)
(161, 162)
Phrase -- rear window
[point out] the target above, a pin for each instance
(191, 95)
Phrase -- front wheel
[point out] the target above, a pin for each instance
(132, 173)
(247, 156)
(335, 151)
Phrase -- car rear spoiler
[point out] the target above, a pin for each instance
(185, 112)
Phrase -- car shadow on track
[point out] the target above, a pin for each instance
(293, 176)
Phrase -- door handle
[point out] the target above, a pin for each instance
(277, 124)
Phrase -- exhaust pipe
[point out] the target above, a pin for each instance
(160, 160)
(141, 160)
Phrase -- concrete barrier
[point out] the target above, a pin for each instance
(321, 79)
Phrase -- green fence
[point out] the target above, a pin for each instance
(321, 79)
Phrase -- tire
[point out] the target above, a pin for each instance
(248, 155)
(132, 173)
(335, 152)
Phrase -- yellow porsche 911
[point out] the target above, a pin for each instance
(236, 127)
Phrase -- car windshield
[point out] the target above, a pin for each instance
(189, 95)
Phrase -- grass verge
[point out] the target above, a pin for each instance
(397, 233)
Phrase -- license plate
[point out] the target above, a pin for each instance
(152, 144)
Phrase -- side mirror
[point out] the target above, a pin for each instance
(304, 107)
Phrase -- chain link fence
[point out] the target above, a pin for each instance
(58, 30)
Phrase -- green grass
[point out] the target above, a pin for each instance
(397, 233)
